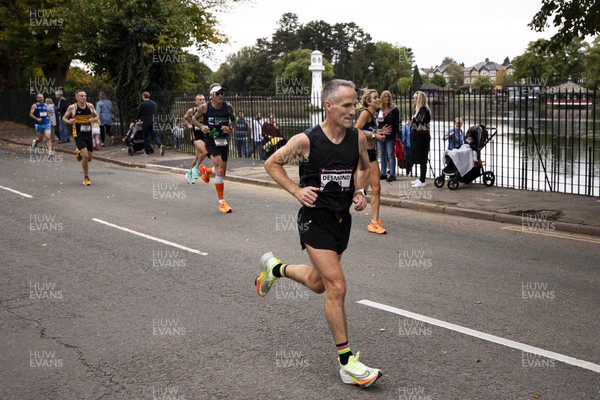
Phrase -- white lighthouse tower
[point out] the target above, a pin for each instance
(317, 68)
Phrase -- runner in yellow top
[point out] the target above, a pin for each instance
(81, 115)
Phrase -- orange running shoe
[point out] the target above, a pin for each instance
(204, 175)
(86, 181)
(224, 207)
(78, 155)
(376, 228)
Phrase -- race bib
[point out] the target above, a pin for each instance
(85, 128)
(221, 142)
(43, 114)
(340, 176)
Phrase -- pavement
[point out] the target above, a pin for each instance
(537, 212)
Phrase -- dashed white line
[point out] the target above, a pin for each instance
(17, 192)
(195, 251)
(485, 336)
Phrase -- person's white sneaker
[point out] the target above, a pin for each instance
(415, 181)
(357, 373)
(419, 184)
(266, 279)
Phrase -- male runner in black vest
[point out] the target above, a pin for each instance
(333, 151)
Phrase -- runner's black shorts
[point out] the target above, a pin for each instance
(197, 134)
(84, 141)
(372, 155)
(213, 150)
(324, 229)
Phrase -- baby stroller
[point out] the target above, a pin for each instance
(477, 137)
(134, 139)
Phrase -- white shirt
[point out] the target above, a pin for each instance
(256, 130)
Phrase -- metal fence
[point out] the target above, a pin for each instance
(545, 141)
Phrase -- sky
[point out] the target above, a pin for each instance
(466, 30)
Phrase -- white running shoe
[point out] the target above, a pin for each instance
(266, 278)
(357, 373)
(419, 184)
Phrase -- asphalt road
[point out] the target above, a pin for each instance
(137, 288)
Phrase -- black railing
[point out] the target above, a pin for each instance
(545, 141)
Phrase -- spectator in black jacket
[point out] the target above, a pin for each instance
(61, 109)
(145, 113)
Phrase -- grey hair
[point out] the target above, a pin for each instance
(330, 90)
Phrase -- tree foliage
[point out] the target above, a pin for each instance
(136, 44)
(541, 65)
(417, 79)
(439, 80)
(574, 19)
(292, 75)
(591, 73)
(349, 50)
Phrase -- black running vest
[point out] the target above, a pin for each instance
(331, 167)
(82, 119)
(216, 118)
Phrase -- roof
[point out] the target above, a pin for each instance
(568, 87)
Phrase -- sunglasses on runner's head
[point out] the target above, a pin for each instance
(220, 94)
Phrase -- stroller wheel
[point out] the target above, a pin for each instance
(489, 178)
(130, 150)
(439, 181)
(453, 184)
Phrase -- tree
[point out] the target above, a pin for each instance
(292, 75)
(78, 78)
(404, 85)
(506, 62)
(456, 75)
(250, 70)
(126, 40)
(385, 67)
(439, 80)
(539, 65)
(483, 83)
(417, 79)
(448, 61)
(286, 38)
(500, 77)
(36, 34)
(139, 44)
(591, 73)
(574, 19)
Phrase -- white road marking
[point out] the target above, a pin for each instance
(485, 336)
(562, 235)
(151, 237)
(17, 192)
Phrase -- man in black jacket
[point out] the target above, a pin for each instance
(145, 112)
(61, 109)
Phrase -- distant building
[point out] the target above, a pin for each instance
(485, 68)
(570, 95)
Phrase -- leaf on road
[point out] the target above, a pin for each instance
(477, 302)
(45, 244)
(381, 329)
(536, 396)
